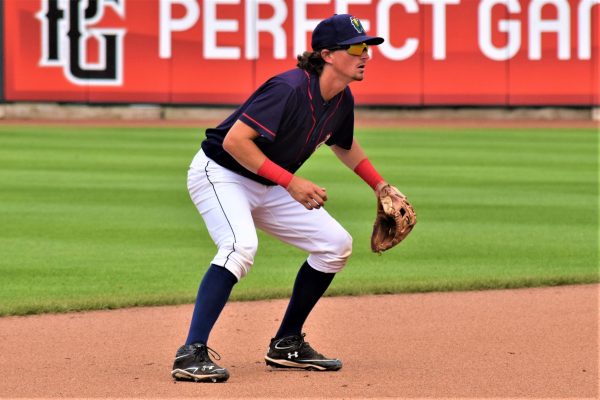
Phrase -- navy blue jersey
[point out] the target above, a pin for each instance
(292, 120)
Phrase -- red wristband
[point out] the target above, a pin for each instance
(367, 172)
(275, 173)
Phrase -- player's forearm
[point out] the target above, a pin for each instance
(356, 159)
(246, 153)
(239, 143)
(351, 157)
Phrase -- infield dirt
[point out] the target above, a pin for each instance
(526, 343)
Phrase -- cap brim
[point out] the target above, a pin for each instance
(370, 40)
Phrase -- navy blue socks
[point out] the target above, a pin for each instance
(213, 293)
(310, 285)
(216, 287)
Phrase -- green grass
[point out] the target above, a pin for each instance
(100, 217)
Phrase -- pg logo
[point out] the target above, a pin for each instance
(67, 29)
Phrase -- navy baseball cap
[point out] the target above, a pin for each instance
(341, 30)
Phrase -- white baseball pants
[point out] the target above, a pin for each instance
(233, 206)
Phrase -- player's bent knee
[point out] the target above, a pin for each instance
(238, 257)
(334, 255)
(342, 244)
(344, 248)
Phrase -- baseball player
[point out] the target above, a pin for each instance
(243, 178)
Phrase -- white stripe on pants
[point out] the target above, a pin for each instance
(233, 206)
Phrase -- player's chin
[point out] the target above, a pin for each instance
(359, 76)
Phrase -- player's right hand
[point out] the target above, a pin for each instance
(307, 193)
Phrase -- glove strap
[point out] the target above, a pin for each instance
(275, 173)
(367, 172)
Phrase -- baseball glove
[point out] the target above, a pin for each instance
(395, 219)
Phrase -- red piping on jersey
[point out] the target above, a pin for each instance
(330, 115)
(308, 77)
(259, 124)
(312, 109)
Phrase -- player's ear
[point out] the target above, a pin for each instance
(326, 56)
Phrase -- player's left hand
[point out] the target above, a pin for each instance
(395, 218)
(305, 192)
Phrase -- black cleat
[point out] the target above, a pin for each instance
(192, 363)
(294, 352)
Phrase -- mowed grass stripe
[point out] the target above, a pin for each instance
(100, 217)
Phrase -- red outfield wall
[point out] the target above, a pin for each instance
(437, 52)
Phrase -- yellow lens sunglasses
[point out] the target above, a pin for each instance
(353, 49)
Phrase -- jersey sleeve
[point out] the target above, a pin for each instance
(344, 132)
(267, 110)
